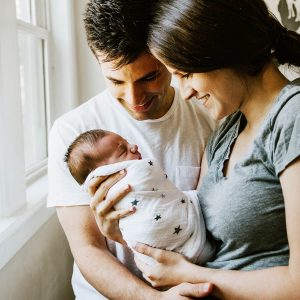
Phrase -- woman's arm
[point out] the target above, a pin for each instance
(203, 169)
(273, 283)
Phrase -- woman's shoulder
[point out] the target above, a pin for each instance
(287, 104)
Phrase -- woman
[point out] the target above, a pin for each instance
(223, 53)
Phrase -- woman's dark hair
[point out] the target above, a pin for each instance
(204, 35)
(118, 28)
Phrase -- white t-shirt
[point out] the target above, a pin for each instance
(177, 141)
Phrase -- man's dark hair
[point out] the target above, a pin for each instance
(117, 29)
(80, 157)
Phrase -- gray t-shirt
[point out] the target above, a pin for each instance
(245, 212)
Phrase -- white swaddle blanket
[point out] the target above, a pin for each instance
(166, 217)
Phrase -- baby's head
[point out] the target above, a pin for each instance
(96, 148)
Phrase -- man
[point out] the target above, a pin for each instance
(140, 105)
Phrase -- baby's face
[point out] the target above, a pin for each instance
(113, 148)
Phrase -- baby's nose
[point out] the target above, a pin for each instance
(133, 148)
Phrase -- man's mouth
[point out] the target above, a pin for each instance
(143, 107)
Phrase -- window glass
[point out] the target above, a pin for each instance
(31, 55)
(23, 10)
(32, 11)
(39, 13)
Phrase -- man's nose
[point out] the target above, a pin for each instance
(134, 95)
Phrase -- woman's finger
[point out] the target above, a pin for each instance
(141, 265)
(155, 253)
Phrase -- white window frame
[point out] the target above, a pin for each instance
(44, 34)
(23, 196)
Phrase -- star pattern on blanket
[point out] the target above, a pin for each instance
(163, 195)
(150, 163)
(154, 189)
(134, 202)
(182, 200)
(166, 176)
(157, 217)
(177, 230)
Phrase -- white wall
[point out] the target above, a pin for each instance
(42, 268)
(90, 79)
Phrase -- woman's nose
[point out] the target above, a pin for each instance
(187, 93)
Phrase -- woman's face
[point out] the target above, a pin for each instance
(221, 91)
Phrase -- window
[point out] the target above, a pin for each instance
(33, 40)
(24, 100)
(31, 83)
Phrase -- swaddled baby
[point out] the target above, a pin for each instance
(165, 217)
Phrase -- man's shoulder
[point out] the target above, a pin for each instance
(84, 117)
(87, 108)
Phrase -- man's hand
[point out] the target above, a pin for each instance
(185, 291)
(106, 217)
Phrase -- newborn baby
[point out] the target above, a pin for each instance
(165, 217)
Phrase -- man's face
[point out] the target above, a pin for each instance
(141, 87)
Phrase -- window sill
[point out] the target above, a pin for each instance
(15, 231)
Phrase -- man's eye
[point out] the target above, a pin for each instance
(150, 78)
(115, 82)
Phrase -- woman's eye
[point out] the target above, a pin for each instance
(187, 75)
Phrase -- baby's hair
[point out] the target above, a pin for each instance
(80, 156)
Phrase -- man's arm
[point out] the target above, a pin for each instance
(99, 267)
(103, 271)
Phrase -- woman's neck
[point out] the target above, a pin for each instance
(262, 92)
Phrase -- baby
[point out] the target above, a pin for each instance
(165, 218)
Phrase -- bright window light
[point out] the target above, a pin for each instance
(32, 73)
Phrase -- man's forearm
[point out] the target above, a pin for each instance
(107, 275)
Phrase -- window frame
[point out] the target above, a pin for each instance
(44, 34)
(23, 196)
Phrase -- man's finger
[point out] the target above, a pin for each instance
(108, 204)
(104, 187)
(195, 290)
(94, 184)
(119, 214)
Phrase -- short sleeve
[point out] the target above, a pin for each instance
(63, 190)
(286, 135)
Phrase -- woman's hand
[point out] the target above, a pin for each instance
(106, 217)
(169, 270)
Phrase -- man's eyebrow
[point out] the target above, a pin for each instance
(113, 79)
(148, 75)
(152, 73)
